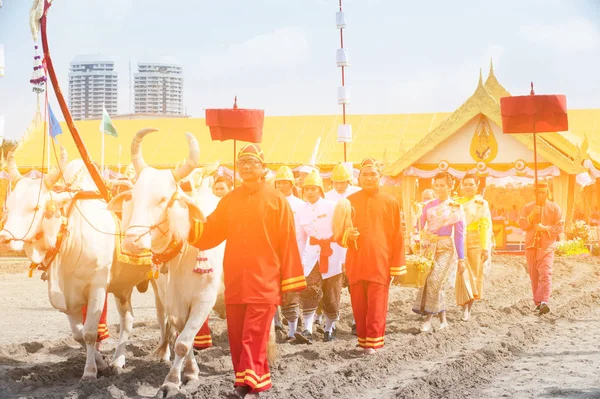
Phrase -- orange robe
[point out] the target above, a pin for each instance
(378, 255)
(540, 260)
(261, 262)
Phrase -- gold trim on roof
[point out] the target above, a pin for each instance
(481, 102)
(494, 87)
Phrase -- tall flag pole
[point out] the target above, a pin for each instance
(102, 134)
(38, 22)
(106, 127)
(344, 130)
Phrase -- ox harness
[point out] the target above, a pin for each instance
(174, 248)
(51, 210)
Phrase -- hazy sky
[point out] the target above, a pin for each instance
(279, 55)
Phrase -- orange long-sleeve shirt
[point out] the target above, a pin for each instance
(261, 259)
(380, 252)
(551, 217)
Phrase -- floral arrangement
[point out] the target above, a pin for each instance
(571, 248)
(422, 263)
(580, 230)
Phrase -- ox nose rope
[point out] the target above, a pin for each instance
(150, 228)
(174, 197)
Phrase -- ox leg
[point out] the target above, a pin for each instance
(76, 323)
(126, 315)
(94, 361)
(163, 351)
(191, 369)
(183, 346)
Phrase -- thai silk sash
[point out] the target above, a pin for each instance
(326, 252)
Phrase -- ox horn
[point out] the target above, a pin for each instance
(51, 178)
(137, 159)
(191, 162)
(11, 165)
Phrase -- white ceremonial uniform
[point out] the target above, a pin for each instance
(316, 220)
(301, 237)
(334, 196)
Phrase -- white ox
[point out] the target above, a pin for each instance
(84, 264)
(156, 216)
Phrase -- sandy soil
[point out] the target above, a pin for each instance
(504, 351)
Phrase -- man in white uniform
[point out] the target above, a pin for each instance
(341, 179)
(284, 182)
(322, 260)
(303, 172)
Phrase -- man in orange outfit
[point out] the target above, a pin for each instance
(542, 222)
(375, 255)
(261, 263)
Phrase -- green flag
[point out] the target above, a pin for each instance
(106, 126)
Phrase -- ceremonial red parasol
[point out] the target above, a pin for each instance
(534, 114)
(235, 124)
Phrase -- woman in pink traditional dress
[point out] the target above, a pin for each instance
(440, 218)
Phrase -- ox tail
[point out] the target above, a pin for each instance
(272, 346)
(169, 340)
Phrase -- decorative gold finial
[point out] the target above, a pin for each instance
(480, 78)
(491, 67)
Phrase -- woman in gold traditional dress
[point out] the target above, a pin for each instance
(469, 284)
(441, 217)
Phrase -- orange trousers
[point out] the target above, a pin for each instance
(248, 327)
(369, 305)
(203, 340)
(102, 326)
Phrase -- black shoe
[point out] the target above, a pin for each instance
(328, 336)
(290, 340)
(304, 338)
(354, 329)
(278, 328)
(544, 308)
(537, 309)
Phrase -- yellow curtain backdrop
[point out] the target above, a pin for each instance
(560, 188)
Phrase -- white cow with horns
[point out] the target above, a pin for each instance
(157, 216)
(74, 238)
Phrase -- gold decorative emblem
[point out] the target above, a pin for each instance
(443, 166)
(520, 165)
(484, 146)
(481, 167)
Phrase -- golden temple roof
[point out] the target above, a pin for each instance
(480, 102)
(399, 139)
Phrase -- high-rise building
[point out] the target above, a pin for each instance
(92, 84)
(158, 87)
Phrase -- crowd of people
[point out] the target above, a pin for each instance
(291, 248)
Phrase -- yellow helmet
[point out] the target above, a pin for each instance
(284, 173)
(340, 173)
(314, 179)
